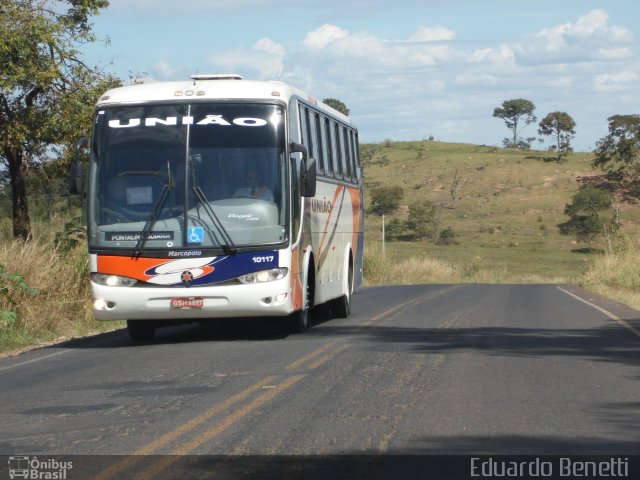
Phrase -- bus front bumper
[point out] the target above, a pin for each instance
(250, 300)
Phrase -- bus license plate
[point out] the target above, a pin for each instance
(187, 302)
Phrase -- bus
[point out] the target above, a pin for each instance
(217, 198)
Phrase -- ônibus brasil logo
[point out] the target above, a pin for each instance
(38, 469)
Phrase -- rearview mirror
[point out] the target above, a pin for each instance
(308, 177)
(308, 170)
(295, 147)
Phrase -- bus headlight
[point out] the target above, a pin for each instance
(264, 276)
(112, 280)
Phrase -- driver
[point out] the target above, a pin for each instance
(255, 187)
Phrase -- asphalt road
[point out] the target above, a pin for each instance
(429, 369)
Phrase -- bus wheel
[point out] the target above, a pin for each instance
(341, 306)
(141, 330)
(299, 321)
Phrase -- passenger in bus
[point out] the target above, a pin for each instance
(255, 187)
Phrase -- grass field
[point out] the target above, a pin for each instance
(507, 206)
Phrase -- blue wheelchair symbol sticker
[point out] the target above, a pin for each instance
(195, 234)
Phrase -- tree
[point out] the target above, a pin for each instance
(423, 218)
(562, 127)
(42, 75)
(394, 229)
(585, 220)
(454, 186)
(385, 199)
(337, 105)
(513, 112)
(619, 152)
(367, 153)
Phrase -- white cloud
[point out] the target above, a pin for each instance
(617, 82)
(560, 81)
(429, 34)
(589, 38)
(265, 58)
(454, 126)
(323, 36)
(430, 84)
(503, 55)
(270, 47)
(425, 48)
(469, 79)
(611, 54)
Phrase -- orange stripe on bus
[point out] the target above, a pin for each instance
(296, 284)
(128, 266)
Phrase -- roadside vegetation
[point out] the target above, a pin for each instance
(44, 290)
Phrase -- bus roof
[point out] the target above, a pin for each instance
(211, 87)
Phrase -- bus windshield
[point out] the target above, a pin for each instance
(200, 175)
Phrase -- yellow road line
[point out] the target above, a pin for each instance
(179, 431)
(324, 359)
(217, 429)
(410, 303)
(311, 355)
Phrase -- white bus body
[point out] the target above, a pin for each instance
(170, 241)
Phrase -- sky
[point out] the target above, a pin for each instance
(406, 69)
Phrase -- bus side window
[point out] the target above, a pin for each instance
(308, 140)
(318, 153)
(353, 144)
(294, 121)
(356, 151)
(337, 148)
(304, 135)
(326, 134)
(346, 153)
(313, 137)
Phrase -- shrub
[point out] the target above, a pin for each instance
(45, 292)
(447, 237)
(394, 229)
(585, 215)
(616, 273)
(423, 218)
(385, 199)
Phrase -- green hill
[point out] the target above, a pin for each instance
(504, 216)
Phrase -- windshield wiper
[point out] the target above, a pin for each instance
(151, 220)
(228, 246)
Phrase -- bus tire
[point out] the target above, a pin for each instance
(341, 306)
(141, 330)
(299, 321)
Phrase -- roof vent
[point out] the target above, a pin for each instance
(221, 76)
